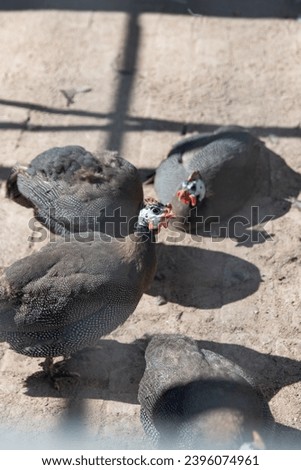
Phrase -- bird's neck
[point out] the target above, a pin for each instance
(143, 234)
(141, 249)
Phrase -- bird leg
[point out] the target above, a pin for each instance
(47, 365)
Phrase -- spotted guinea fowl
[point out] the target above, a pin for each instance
(193, 398)
(64, 297)
(72, 190)
(209, 175)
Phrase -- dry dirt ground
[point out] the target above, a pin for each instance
(155, 72)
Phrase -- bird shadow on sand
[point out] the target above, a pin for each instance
(113, 370)
(109, 371)
(207, 279)
(276, 184)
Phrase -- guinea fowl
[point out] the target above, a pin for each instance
(209, 176)
(197, 399)
(72, 190)
(63, 298)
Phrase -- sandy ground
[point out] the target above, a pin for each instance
(157, 72)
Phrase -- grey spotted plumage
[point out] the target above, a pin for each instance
(73, 190)
(194, 398)
(69, 294)
(227, 160)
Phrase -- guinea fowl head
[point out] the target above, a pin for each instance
(192, 190)
(154, 215)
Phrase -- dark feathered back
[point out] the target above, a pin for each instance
(227, 161)
(193, 398)
(72, 190)
(70, 293)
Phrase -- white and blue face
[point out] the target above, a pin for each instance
(192, 191)
(195, 187)
(155, 215)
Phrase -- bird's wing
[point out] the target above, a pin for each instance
(169, 176)
(56, 286)
(69, 188)
(196, 152)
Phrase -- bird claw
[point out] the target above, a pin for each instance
(58, 372)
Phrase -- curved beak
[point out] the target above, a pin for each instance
(186, 198)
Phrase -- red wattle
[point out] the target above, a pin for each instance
(183, 196)
(192, 198)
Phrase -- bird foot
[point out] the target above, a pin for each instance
(58, 373)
